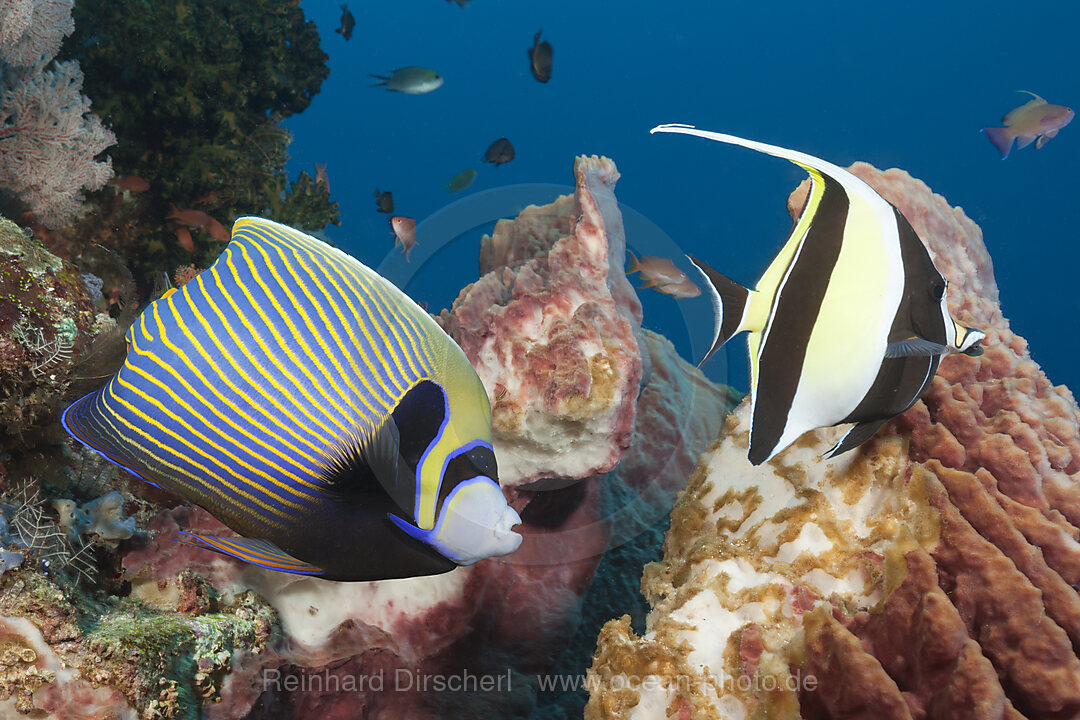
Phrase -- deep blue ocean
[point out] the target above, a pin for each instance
(894, 84)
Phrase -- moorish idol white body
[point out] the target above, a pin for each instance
(849, 321)
(312, 407)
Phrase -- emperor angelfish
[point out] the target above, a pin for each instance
(312, 407)
(849, 321)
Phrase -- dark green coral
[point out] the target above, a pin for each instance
(195, 91)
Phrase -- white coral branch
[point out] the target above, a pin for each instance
(48, 142)
(32, 30)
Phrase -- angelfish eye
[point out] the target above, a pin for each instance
(939, 291)
(483, 459)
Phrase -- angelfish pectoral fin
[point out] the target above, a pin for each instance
(257, 552)
(381, 450)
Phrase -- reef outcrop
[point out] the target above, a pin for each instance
(46, 316)
(230, 640)
(551, 330)
(930, 574)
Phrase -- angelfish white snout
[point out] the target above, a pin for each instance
(476, 523)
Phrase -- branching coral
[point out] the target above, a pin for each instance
(39, 536)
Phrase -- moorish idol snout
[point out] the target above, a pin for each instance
(849, 321)
(312, 407)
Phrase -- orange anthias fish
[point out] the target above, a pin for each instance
(661, 273)
(320, 176)
(131, 183)
(404, 233)
(1035, 121)
(183, 238)
(198, 218)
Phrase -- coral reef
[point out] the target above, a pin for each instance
(505, 618)
(554, 329)
(49, 137)
(214, 79)
(46, 318)
(931, 573)
(33, 29)
(125, 658)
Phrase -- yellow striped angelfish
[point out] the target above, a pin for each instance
(311, 406)
(849, 321)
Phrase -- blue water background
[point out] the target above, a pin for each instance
(903, 85)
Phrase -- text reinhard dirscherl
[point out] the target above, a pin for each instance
(412, 680)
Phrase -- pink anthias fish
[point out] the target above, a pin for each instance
(661, 274)
(197, 218)
(1034, 119)
(404, 233)
(320, 176)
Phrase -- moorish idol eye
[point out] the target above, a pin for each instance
(939, 291)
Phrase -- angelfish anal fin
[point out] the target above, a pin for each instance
(914, 347)
(257, 552)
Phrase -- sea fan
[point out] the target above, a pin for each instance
(41, 537)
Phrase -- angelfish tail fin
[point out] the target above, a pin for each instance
(730, 301)
(1001, 138)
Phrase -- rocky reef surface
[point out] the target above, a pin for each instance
(163, 629)
(930, 574)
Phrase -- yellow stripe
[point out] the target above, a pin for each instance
(212, 386)
(366, 285)
(224, 352)
(322, 261)
(282, 344)
(314, 327)
(229, 502)
(206, 423)
(267, 376)
(235, 426)
(151, 421)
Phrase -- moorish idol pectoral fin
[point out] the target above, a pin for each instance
(730, 302)
(855, 437)
(257, 552)
(914, 347)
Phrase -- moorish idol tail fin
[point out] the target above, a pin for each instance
(730, 302)
(257, 552)
(856, 436)
(1001, 138)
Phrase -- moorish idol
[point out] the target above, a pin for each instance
(849, 321)
(311, 406)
